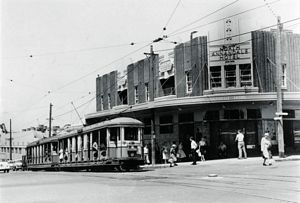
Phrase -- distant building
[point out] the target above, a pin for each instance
(209, 88)
(19, 142)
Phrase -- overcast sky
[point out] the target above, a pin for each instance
(52, 50)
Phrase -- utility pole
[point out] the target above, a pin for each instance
(280, 136)
(10, 140)
(153, 115)
(152, 67)
(50, 119)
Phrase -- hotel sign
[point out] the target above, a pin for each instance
(233, 49)
(230, 53)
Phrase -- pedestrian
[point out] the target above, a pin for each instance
(173, 158)
(193, 150)
(241, 144)
(165, 154)
(146, 154)
(222, 150)
(95, 150)
(61, 155)
(265, 144)
(203, 148)
(66, 155)
(180, 153)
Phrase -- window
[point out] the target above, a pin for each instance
(114, 134)
(215, 76)
(166, 124)
(245, 75)
(136, 94)
(186, 117)
(131, 134)
(253, 113)
(233, 114)
(188, 80)
(123, 96)
(283, 76)
(147, 95)
(101, 102)
(212, 115)
(109, 100)
(230, 76)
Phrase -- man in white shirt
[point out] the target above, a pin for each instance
(241, 144)
(193, 149)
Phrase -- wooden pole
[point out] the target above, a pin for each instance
(50, 119)
(280, 136)
(153, 159)
(10, 140)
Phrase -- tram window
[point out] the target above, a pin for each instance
(131, 134)
(114, 134)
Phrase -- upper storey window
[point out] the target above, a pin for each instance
(215, 76)
(188, 80)
(136, 94)
(245, 75)
(230, 76)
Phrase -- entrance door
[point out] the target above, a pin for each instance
(185, 132)
(226, 131)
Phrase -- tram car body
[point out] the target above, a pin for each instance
(115, 143)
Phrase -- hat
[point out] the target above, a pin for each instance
(266, 134)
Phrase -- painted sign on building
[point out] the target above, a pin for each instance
(230, 50)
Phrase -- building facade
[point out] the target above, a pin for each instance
(211, 89)
(19, 142)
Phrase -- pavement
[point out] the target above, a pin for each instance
(229, 160)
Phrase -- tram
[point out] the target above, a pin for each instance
(115, 143)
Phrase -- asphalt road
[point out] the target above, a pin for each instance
(236, 181)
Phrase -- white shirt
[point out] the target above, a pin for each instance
(239, 137)
(265, 143)
(193, 144)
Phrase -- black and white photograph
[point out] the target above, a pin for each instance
(149, 101)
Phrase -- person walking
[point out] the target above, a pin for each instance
(265, 144)
(146, 154)
(173, 158)
(203, 148)
(165, 154)
(193, 150)
(180, 154)
(61, 155)
(241, 144)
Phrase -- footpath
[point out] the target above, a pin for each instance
(229, 160)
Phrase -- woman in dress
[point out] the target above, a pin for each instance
(180, 154)
(264, 146)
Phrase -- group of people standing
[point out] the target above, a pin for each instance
(176, 153)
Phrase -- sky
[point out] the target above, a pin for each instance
(53, 50)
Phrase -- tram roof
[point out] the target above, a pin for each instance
(43, 140)
(116, 122)
(120, 121)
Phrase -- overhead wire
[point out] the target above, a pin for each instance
(97, 95)
(237, 35)
(207, 15)
(221, 19)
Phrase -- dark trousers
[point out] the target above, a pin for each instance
(194, 156)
